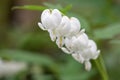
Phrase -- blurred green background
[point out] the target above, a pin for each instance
(21, 40)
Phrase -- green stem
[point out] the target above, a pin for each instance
(101, 68)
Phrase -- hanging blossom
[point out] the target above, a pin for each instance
(69, 36)
(82, 49)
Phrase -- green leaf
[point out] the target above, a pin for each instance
(67, 8)
(52, 6)
(28, 57)
(108, 32)
(58, 6)
(30, 7)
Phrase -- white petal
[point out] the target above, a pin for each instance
(83, 35)
(64, 27)
(75, 25)
(74, 44)
(93, 49)
(83, 40)
(44, 13)
(93, 46)
(65, 50)
(52, 35)
(80, 42)
(88, 65)
(49, 22)
(57, 16)
(68, 43)
(41, 26)
(54, 19)
(87, 54)
(76, 22)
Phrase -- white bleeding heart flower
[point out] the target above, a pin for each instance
(82, 49)
(77, 43)
(91, 52)
(50, 19)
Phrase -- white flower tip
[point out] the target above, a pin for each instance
(87, 65)
(65, 50)
(58, 44)
(82, 31)
(97, 54)
(52, 35)
(41, 26)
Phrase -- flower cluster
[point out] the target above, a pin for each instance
(69, 36)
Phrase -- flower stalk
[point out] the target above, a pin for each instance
(101, 68)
